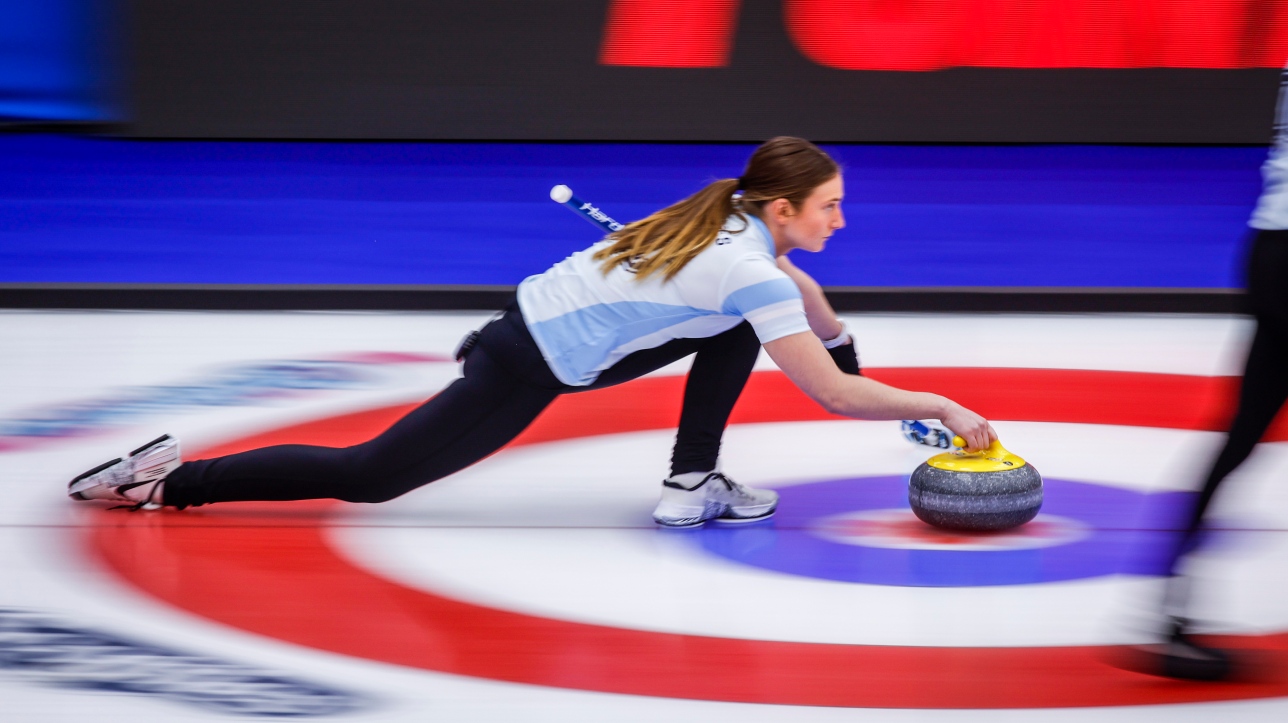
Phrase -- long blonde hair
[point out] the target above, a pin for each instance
(782, 167)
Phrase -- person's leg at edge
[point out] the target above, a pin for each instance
(1264, 387)
(1262, 394)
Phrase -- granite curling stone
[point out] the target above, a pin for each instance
(986, 491)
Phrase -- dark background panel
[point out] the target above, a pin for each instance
(527, 69)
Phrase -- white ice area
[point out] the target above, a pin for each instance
(526, 531)
(61, 359)
(55, 358)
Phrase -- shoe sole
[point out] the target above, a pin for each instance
(685, 522)
(742, 520)
(720, 519)
(679, 525)
(1152, 660)
(153, 443)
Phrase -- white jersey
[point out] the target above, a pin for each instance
(584, 321)
(1272, 207)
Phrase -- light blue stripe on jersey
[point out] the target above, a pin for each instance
(590, 335)
(749, 298)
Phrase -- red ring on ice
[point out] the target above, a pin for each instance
(216, 562)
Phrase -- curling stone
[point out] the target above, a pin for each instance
(985, 491)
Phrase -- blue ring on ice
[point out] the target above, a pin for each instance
(1125, 532)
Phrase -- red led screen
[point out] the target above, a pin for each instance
(923, 35)
(986, 71)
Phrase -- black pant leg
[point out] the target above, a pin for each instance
(505, 386)
(716, 380)
(1264, 387)
(473, 417)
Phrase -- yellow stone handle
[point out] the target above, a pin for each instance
(993, 449)
(994, 459)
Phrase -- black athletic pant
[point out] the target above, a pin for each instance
(506, 384)
(1265, 376)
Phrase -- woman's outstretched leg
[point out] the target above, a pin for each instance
(473, 417)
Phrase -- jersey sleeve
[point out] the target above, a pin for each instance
(1271, 213)
(757, 290)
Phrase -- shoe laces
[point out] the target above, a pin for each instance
(114, 477)
(730, 485)
(146, 504)
(119, 474)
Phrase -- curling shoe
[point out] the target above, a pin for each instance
(1183, 658)
(1179, 656)
(135, 480)
(688, 500)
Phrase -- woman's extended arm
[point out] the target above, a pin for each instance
(818, 312)
(808, 365)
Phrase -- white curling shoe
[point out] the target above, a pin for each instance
(135, 480)
(688, 500)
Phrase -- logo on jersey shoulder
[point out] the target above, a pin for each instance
(632, 264)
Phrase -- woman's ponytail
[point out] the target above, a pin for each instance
(671, 237)
(782, 167)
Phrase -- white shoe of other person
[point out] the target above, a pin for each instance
(688, 500)
(135, 480)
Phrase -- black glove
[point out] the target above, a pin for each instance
(846, 357)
